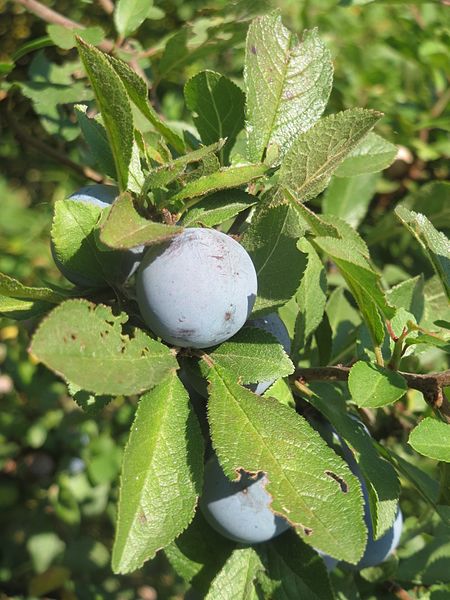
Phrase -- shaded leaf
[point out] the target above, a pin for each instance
(199, 553)
(218, 208)
(161, 176)
(84, 343)
(431, 438)
(349, 197)
(125, 228)
(308, 483)
(95, 135)
(161, 475)
(371, 385)
(314, 156)
(218, 104)
(295, 570)
(287, 84)
(271, 241)
(236, 578)
(112, 100)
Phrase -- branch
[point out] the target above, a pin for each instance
(51, 16)
(430, 384)
(107, 6)
(50, 152)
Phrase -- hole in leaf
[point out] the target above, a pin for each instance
(342, 483)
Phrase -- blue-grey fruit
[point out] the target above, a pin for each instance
(274, 325)
(239, 510)
(197, 289)
(127, 261)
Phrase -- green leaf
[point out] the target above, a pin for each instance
(309, 220)
(371, 155)
(344, 322)
(363, 282)
(199, 553)
(218, 104)
(430, 340)
(435, 244)
(49, 87)
(6, 67)
(218, 208)
(32, 46)
(84, 343)
(130, 14)
(271, 241)
(431, 438)
(314, 156)
(161, 176)
(236, 579)
(74, 236)
(281, 391)
(409, 295)
(66, 38)
(311, 296)
(427, 565)
(16, 308)
(161, 477)
(349, 197)
(95, 135)
(287, 84)
(308, 483)
(19, 301)
(379, 475)
(125, 228)
(371, 385)
(253, 355)
(12, 288)
(296, 571)
(225, 178)
(138, 92)
(114, 105)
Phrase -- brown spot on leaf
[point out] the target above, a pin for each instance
(342, 483)
(253, 50)
(227, 315)
(308, 531)
(73, 336)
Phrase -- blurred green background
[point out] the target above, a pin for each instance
(59, 465)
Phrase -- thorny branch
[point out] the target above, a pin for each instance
(430, 384)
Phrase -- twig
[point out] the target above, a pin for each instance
(430, 384)
(51, 16)
(50, 152)
(107, 6)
